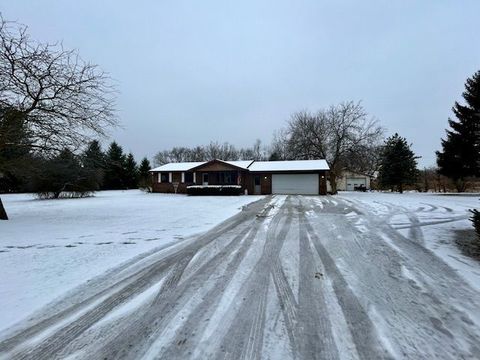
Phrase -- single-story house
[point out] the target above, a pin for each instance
(255, 177)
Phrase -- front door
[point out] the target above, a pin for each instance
(258, 186)
(205, 179)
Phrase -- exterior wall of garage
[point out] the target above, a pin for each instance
(266, 180)
(342, 183)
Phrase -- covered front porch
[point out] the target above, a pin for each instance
(222, 173)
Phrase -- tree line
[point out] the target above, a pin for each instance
(214, 150)
(52, 103)
(66, 173)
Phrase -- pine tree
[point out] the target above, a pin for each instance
(15, 150)
(62, 174)
(144, 173)
(115, 168)
(131, 172)
(93, 160)
(398, 164)
(93, 155)
(476, 222)
(460, 158)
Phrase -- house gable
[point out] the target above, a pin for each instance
(217, 165)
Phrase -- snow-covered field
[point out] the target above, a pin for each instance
(50, 246)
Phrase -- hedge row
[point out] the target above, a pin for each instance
(214, 190)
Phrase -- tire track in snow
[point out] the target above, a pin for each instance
(245, 334)
(314, 327)
(197, 321)
(360, 325)
(429, 293)
(143, 329)
(288, 305)
(128, 288)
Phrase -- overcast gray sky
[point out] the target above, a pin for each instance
(194, 71)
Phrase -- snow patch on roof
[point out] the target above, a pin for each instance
(291, 165)
(181, 166)
(244, 164)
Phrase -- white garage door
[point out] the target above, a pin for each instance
(352, 183)
(305, 184)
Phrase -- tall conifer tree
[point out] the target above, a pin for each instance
(460, 155)
(131, 172)
(115, 168)
(398, 164)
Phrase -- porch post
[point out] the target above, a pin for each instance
(170, 177)
(183, 177)
(194, 177)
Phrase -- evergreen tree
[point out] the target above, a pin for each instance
(398, 164)
(476, 222)
(93, 155)
(93, 160)
(115, 168)
(460, 158)
(62, 174)
(15, 150)
(144, 173)
(131, 172)
(274, 156)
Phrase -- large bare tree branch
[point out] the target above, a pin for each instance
(61, 100)
(340, 134)
(66, 100)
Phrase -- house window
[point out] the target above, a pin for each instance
(257, 180)
(188, 177)
(227, 177)
(164, 178)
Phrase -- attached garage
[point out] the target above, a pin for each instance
(295, 177)
(304, 184)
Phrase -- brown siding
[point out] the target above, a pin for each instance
(323, 183)
(216, 166)
(266, 184)
(168, 187)
(177, 177)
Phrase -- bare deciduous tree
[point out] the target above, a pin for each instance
(65, 101)
(339, 134)
(214, 150)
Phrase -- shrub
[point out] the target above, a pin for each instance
(476, 222)
(63, 195)
(214, 190)
(63, 176)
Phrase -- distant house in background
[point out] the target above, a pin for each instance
(306, 177)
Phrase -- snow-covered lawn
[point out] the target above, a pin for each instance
(434, 220)
(50, 246)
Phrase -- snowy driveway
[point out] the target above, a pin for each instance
(287, 278)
